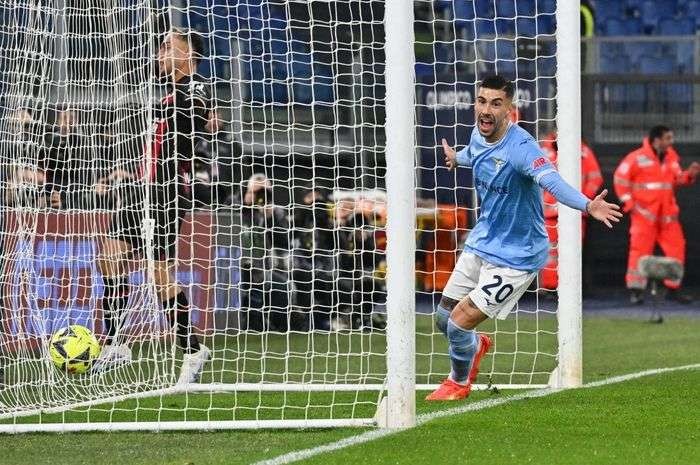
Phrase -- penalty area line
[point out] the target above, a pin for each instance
(375, 434)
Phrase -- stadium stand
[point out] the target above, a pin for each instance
(628, 19)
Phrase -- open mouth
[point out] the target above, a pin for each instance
(486, 124)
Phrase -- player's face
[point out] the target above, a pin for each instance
(492, 110)
(174, 54)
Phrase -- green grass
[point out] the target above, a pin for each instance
(646, 421)
(650, 420)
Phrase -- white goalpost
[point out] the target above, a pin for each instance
(319, 223)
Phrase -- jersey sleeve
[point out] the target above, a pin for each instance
(530, 161)
(464, 157)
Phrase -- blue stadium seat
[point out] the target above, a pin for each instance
(692, 9)
(463, 13)
(526, 27)
(444, 5)
(614, 64)
(667, 7)
(623, 27)
(676, 26)
(679, 97)
(499, 56)
(525, 7)
(505, 26)
(546, 6)
(444, 52)
(483, 8)
(612, 48)
(649, 12)
(614, 97)
(546, 66)
(634, 26)
(505, 49)
(685, 56)
(635, 97)
(615, 27)
(635, 50)
(657, 65)
(607, 9)
(546, 24)
(506, 9)
(485, 28)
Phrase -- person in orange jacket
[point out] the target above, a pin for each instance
(645, 182)
(591, 182)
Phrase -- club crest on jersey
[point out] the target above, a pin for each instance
(499, 163)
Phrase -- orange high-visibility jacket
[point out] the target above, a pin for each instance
(591, 177)
(647, 184)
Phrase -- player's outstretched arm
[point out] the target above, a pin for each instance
(598, 208)
(603, 211)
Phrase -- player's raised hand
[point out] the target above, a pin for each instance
(450, 155)
(694, 168)
(603, 211)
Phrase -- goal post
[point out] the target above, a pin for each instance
(401, 214)
(570, 367)
(319, 221)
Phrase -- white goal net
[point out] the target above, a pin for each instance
(250, 197)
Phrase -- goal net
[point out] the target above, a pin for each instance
(282, 195)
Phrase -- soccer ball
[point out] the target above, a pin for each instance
(73, 349)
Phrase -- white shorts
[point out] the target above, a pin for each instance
(494, 290)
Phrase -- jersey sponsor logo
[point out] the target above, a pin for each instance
(480, 183)
(539, 163)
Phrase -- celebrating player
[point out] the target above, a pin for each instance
(182, 115)
(508, 244)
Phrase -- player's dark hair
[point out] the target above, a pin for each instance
(498, 83)
(657, 132)
(193, 39)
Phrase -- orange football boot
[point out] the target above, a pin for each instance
(449, 390)
(484, 346)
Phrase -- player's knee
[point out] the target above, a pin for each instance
(466, 315)
(442, 313)
(441, 316)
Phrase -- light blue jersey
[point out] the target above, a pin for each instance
(510, 230)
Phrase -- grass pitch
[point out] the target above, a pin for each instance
(649, 420)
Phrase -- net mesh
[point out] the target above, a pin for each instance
(280, 192)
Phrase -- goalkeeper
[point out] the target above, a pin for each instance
(179, 119)
(508, 244)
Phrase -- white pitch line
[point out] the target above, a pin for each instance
(480, 405)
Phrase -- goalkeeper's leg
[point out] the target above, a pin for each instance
(113, 265)
(175, 303)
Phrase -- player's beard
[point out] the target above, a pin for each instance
(489, 130)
